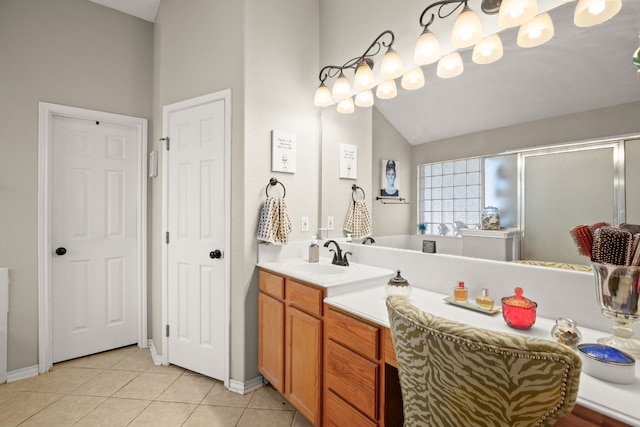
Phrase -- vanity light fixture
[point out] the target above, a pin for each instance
(594, 12)
(391, 67)
(535, 30)
(516, 12)
(488, 50)
(450, 65)
(413, 79)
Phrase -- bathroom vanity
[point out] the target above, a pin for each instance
(325, 343)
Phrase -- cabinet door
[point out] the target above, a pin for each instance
(303, 356)
(271, 340)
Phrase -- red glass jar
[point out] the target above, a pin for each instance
(519, 312)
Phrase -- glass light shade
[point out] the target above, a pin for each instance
(346, 106)
(413, 79)
(427, 49)
(536, 32)
(488, 50)
(450, 65)
(364, 79)
(341, 88)
(516, 12)
(323, 96)
(387, 89)
(467, 29)
(593, 12)
(391, 66)
(364, 98)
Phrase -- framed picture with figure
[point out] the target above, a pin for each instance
(389, 179)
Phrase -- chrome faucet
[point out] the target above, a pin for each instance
(368, 239)
(338, 259)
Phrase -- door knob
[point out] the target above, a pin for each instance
(61, 251)
(215, 254)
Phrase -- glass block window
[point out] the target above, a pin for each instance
(450, 194)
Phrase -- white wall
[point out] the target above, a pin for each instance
(205, 46)
(68, 52)
(198, 50)
(281, 62)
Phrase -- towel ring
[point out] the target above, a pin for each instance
(353, 193)
(273, 182)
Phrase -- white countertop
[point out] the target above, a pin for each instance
(335, 279)
(617, 401)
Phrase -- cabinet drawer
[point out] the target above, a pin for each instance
(353, 378)
(272, 284)
(339, 413)
(305, 297)
(358, 336)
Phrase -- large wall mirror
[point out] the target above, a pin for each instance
(512, 105)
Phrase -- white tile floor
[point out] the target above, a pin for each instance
(124, 388)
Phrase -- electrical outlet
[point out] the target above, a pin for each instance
(304, 224)
(329, 223)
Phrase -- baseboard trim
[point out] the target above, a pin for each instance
(246, 386)
(22, 374)
(157, 358)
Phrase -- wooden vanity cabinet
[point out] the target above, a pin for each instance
(301, 340)
(290, 334)
(271, 308)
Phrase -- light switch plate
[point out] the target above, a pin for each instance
(304, 224)
(329, 222)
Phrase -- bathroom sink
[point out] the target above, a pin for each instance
(317, 268)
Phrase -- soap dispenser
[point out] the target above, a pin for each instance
(314, 250)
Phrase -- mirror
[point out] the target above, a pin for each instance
(515, 103)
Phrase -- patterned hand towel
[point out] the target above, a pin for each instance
(358, 221)
(274, 225)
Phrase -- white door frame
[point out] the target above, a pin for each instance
(47, 112)
(224, 95)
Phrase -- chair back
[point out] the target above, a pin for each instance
(452, 374)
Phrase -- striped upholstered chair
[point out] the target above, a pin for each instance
(453, 374)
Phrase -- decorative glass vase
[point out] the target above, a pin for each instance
(566, 332)
(490, 218)
(618, 293)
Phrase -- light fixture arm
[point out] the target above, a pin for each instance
(330, 71)
(441, 5)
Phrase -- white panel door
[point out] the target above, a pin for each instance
(196, 221)
(94, 233)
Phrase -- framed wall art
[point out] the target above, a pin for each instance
(283, 151)
(389, 179)
(348, 161)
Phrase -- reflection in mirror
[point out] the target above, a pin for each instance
(452, 194)
(547, 95)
